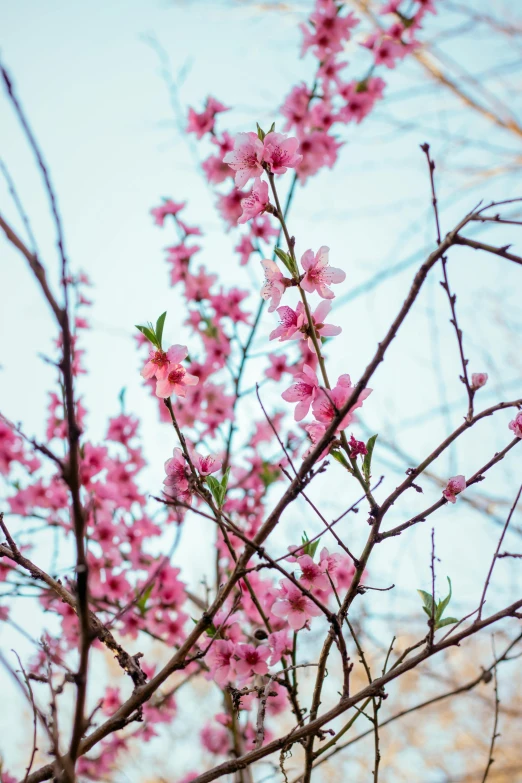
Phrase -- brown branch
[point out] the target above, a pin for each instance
(478, 476)
(495, 556)
(314, 725)
(483, 677)
(129, 663)
(452, 298)
(495, 722)
(497, 251)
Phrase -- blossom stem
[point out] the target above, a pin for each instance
(313, 335)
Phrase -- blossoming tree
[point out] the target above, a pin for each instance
(272, 619)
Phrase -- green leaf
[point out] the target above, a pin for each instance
(149, 334)
(341, 459)
(309, 548)
(141, 603)
(284, 257)
(160, 323)
(446, 621)
(272, 128)
(269, 474)
(367, 462)
(224, 480)
(427, 600)
(218, 493)
(260, 132)
(444, 602)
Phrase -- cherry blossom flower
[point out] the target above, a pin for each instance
(303, 392)
(221, 662)
(478, 379)
(168, 207)
(245, 248)
(229, 205)
(516, 425)
(318, 274)
(203, 122)
(215, 739)
(176, 470)
(275, 284)
(157, 365)
(252, 660)
(280, 152)
(295, 607)
(245, 159)
(312, 575)
(328, 402)
(295, 107)
(360, 98)
(329, 564)
(321, 329)
(256, 202)
(278, 366)
(288, 324)
(205, 465)
(262, 229)
(280, 644)
(176, 378)
(357, 447)
(315, 432)
(454, 487)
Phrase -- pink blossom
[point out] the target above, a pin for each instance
(168, 207)
(203, 122)
(262, 228)
(177, 473)
(280, 152)
(315, 432)
(278, 366)
(357, 447)
(216, 169)
(275, 283)
(318, 149)
(256, 202)
(454, 487)
(303, 392)
(516, 425)
(229, 205)
(295, 107)
(329, 563)
(111, 700)
(206, 465)
(360, 98)
(312, 575)
(252, 660)
(245, 159)
(478, 379)
(221, 662)
(295, 607)
(245, 248)
(288, 324)
(215, 739)
(319, 275)
(321, 329)
(329, 401)
(280, 644)
(157, 365)
(176, 378)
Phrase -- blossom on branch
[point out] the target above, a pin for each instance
(454, 487)
(319, 274)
